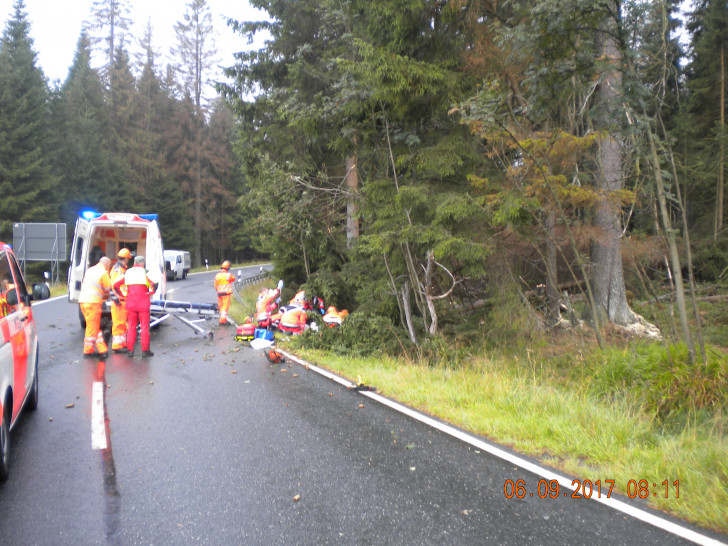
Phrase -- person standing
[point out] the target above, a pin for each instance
(95, 290)
(118, 307)
(139, 288)
(224, 287)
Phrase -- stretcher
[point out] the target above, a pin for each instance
(161, 310)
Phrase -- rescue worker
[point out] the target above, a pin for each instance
(95, 290)
(5, 286)
(118, 307)
(268, 300)
(317, 304)
(293, 321)
(300, 300)
(332, 317)
(224, 287)
(139, 288)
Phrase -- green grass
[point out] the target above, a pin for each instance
(58, 290)
(713, 319)
(564, 426)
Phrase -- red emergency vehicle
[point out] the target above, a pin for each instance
(18, 350)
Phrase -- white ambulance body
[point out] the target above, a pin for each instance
(104, 234)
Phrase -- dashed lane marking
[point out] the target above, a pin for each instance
(98, 428)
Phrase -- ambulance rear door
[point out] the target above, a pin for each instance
(79, 259)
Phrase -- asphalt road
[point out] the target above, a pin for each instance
(209, 443)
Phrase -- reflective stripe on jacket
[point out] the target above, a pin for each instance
(95, 286)
(224, 283)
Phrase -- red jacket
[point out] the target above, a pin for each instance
(139, 289)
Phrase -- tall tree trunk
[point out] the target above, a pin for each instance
(408, 312)
(352, 186)
(688, 252)
(197, 206)
(672, 246)
(721, 153)
(552, 286)
(607, 272)
(429, 272)
(195, 56)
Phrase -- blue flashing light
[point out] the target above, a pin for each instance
(89, 214)
(149, 217)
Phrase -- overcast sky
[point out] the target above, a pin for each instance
(55, 26)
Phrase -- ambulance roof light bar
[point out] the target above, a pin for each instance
(91, 214)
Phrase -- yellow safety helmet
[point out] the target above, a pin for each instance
(124, 253)
(225, 265)
(331, 310)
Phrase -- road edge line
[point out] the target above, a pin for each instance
(545, 473)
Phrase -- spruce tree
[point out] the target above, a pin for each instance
(707, 81)
(159, 190)
(82, 127)
(27, 178)
(195, 53)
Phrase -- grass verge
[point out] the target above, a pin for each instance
(58, 290)
(626, 413)
(589, 413)
(563, 426)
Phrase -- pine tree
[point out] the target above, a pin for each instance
(195, 52)
(158, 190)
(222, 209)
(375, 80)
(27, 178)
(125, 142)
(707, 82)
(109, 24)
(178, 138)
(82, 128)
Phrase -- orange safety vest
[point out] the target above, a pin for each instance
(224, 283)
(299, 298)
(95, 286)
(117, 273)
(295, 318)
(332, 317)
(266, 300)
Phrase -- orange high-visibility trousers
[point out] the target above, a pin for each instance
(93, 336)
(223, 305)
(118, 328)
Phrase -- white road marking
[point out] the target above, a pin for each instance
(98, 427)
(545, 473)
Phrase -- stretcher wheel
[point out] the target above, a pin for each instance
(209, 335)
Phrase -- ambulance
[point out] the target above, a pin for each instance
(100, 234)
(19, 349)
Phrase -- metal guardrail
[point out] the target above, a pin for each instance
(241, 282)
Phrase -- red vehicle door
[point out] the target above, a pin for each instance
(17, 328)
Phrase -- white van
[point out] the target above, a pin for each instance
(104, 234)
(178, 264)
